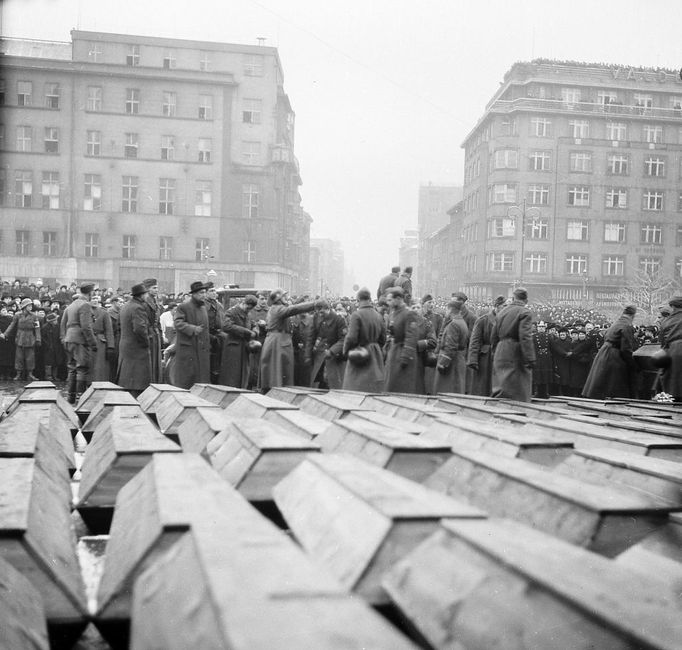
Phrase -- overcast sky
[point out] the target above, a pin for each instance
(384, 90)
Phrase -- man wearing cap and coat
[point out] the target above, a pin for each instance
(154, 308)
(480, 353)
(27, 338)
(452, 351)
(325, 348)
(388, 281)
(671, 341)
(193, 345)
(401, 345)
(134, 360)
(237, 330)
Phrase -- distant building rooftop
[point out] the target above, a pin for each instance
(31, 47)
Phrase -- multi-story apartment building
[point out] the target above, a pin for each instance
(124, 157)
(572, 183)
(327, 268)
(440, 256)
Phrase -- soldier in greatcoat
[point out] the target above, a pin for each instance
(436, 319)
(258, 316)
(426, 344)
(366, 328)
(104, 340)
(27, 338)
(404, 281)
(215, 312)
(514, 355)
(543, 372)
(401, 345)
(452, 351)
(671, 341)
(388, 281)
(480, 353)
(193, 347)
(326, 348)
(154, 309)
(237, 331)
(134, 359)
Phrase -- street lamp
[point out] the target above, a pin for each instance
(522, 211)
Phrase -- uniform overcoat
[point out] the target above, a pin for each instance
(329, 331)
(234, 364)
(104, 339)
(671, 340)
(366, 328)
(480, 353)
(134, 360)
(452, 350)
(543, 372)
(401, 357)
(193, 348)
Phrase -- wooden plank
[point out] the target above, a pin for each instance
(101, 410)
(254, 405)
(405, 409)
(537, 411)
(639, 425)
(665, 541)
(413, 457)
(47, 396)
(176, 409)
(498, 584)
(297, 422)
(151, 398)
(602, 519)
(95, 393)
(357, 520)
(236, 582)
(37, 539)
(35, 385)
(223, 396)
(616, 411)
(200, 426)
(475, 409)
(396, 424)
(253, 455)
(544, 448)
(652, 565)
(611, 467)
(22, 615)
(293, 394)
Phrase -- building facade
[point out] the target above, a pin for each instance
(572, 183)
(440, 256)
(125, 157)
(327, 268)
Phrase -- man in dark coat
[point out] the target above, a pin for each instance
(404, 281)
(401, 357)
(237, 331)
(480, 353)
(671, 341)
(387, 281)
(134, 359)
(258, 316)
(193, 346)
(53, 350)
(613, 370)
(365, 329)
(561, 353)
(215, 328)
(154, 308)
(436, 319)
(326, 348)
(452, 350)
(514, 355)
(543, 372)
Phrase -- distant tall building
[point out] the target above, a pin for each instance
(327, 268)
(409, 248)
(572, 183)
(126, 156)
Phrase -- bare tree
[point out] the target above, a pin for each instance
(648, 291)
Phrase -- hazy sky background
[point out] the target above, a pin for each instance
(384, 91)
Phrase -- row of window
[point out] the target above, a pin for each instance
(23, 246)
(50, 194)
(542, 127)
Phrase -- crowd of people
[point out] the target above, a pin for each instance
(390, 341)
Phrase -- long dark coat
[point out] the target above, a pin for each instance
(613, 370)
(452, 351)
(234, 364)
(480, 353)
(6, 345)
(366, 328)
(581, 360)
(155, 339)
(401, 358)
(436, 319)
(134, 361)
(543, 372)
(561, 349)
(193, 348)
(53, 350)
(328, 333)
(104, 337)
(386, 283)
(671, 340)
(514, 355)
(426, 342)
(277, 355)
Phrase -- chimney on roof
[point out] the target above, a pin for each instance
(261, 40)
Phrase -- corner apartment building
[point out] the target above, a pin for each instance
(124, 157)
(572, 183)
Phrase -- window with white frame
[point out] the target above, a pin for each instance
(170, 100)
(613, 265)
(502, 193)
(617, 164)
(616, 197)
(95, 52)
(654, 166)
(253, 65)
(204, 148)
(570, 96)
(128, 245)
(51, 139)
(91, 244)
(501, 227)
(201, 249)
(205, 107)
(49, 243)
(202, 199)
(132, 105)
(653, 133)
(644, 102)
(24, 93)
(579, 128)
(576, 264)
(249, 251)
(92, 192)
(50, 190)
(577, 230)
(129, 187)
(508, 126)
(169, 60)
(506, 159)
(204, 61)
(616, 131)
(250, 152)
(652, 200)
(94, 101)
(51, 94)
(580, 161)
(678, 267)
(166, 195)
(579, 196)
(167, 147)
(676, 103)
(651, 233)
(165, 248)
(537, 228)
(538, 194)
(133, 56)
(650, 265)
(251, 111)
(500, 262)
(93, 143)
(250, 200)
(614, 232)
(132, 144)
(24, 138)
(605, 97)
(540, 161)
(536, 263)
(23, 188)
(540, 127)
(23, 242)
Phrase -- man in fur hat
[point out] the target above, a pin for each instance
(193, 346)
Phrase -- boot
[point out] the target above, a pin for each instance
(80, 389)
(17, 377)
(71, 392)
(32, 377)
(48, 373)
